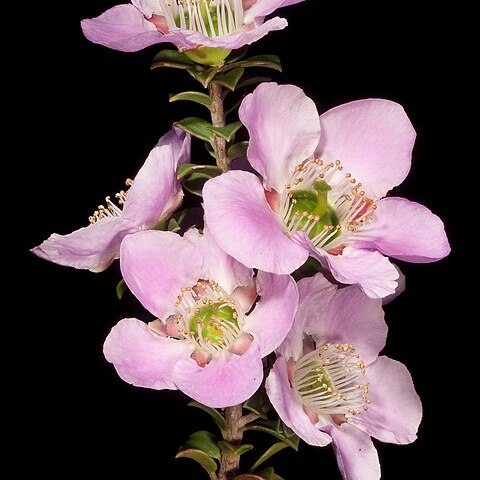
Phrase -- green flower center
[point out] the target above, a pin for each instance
(327, 381)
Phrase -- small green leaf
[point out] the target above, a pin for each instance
(207, 462)
(204, 76)
(230, 79)
(237, 54)
(204, 441)
(228, 131)
(187, 169)
(195, 182)
(198, 127)
(121, 288)
(269, 474)
(276, 432)
(173, 226)
(218, 418)
(172, 59)
(275, 448)
(248, 80)
(258, 403)
(265, 61)
(197, 97)
(210, 149)
(235, 449)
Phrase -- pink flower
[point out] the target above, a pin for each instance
(328, 383)
(188, 24)
(322, 194)
(207, 341)
(153, 195)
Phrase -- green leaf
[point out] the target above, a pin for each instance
(253, 80)
(269, 474)
(172, 59)
(275, 448)
(230, 79)
(235, 449)
(187, 169)
(210, 149)
(264, 61)
(218, 418)
(237, 54)
(198, 127)
(204, 441)
(197, 97)
(121, 288)
(259, 400)
(195, 182)
(228, 131)
(173, 226)
(204, 76)
(207, 462)
(276, 431)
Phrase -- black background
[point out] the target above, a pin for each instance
(89, 117)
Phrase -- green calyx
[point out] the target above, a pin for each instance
(211, 322)
(207, 55)
(314, 203)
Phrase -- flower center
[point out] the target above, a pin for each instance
(110, 209)
(209, 317)
(327, 381)
(325, 203)
(211, 17)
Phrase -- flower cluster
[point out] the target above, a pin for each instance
(222, 297)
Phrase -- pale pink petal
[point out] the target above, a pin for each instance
(352, 318)
(356, 455)
(273, 316)
(399, 290)
(93, 247)
(396, 410)
(407, 231)
(262, 8)
(156, 192)
(243, 224)
(315, 294)
(218, 266)
(289, 408)
(142, 357)
(227, 380)
(245, 36)
(246, 296)
(373, 139)
(284, 131)
(369, 269)
(124, 28)
(156, 266)
(147, 7)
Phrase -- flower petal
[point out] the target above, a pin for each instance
(289, 408)
(284, 131)
(373, 139)
(406, 230)
(142, 357)
(262, 8)
(396, 410)
(156, 266)
(123, 28)
(399, 290)
(351, 317)
(227, 380)
(371, 270)
(93, 247)
(315, 294)
(218, 266)
(243, 224)
(247, 35)
(156, 192)
(273, 316)
(357, 457)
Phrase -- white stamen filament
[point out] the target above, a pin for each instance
(352, 207)
(110, 209)
(196, 15)
(190, 302)
(327, 381)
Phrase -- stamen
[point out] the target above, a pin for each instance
(327, 381)
(110, 209)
